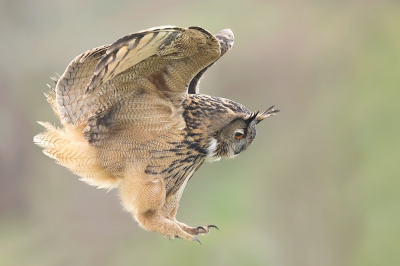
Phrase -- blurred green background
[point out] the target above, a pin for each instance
(319, 186)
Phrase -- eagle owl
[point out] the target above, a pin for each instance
(133, 119)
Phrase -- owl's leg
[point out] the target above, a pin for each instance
(144, 195)
(188, 229)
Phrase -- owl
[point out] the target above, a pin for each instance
(132, 118)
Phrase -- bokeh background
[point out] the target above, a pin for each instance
(319, 186)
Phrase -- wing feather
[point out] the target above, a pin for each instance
(225, 39)
(72, 84)
(130, 50)
(159, 61)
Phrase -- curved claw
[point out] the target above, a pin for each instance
(206, 229)
(213, 226)
(202, 228)
(195, 238)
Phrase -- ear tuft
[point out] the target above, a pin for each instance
(251, 118)
(269, 112)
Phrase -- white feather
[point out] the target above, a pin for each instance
(211, 151)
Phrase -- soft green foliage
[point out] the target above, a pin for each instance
(319, 186)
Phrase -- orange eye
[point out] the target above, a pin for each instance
(239, 135)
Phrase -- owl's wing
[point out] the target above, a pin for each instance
(159, 61)
(72, 84)
(225, 39)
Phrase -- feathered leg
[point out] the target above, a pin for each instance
(144, 196)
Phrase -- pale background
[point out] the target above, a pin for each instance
(319, 186)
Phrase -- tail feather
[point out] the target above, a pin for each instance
(74, 153)
(68, 152)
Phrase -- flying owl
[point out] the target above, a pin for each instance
(133, 119)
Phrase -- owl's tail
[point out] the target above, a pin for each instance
(72, 151)
(66, 151)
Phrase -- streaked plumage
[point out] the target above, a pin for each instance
(132, 117)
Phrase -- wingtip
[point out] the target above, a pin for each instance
(226, 39)
(226, 32)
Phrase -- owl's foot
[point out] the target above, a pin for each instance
(153, 221)
(199, 230)
(206, 229)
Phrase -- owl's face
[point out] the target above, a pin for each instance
(220, 127)
(236, 136)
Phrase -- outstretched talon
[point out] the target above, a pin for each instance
(195, 238)
(206, 229)
(200, 230)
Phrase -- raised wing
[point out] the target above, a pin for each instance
(160, 61)
(225, 39)
(72, 84)
(132, 49)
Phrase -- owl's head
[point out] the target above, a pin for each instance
(238, 134)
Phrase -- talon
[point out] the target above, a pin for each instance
(196, 239)
(202, 228)
(212, 226)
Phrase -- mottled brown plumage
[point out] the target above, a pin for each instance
(132, 118)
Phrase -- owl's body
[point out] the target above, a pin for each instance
(132, 118)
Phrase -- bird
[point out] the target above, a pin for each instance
(132, 118)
